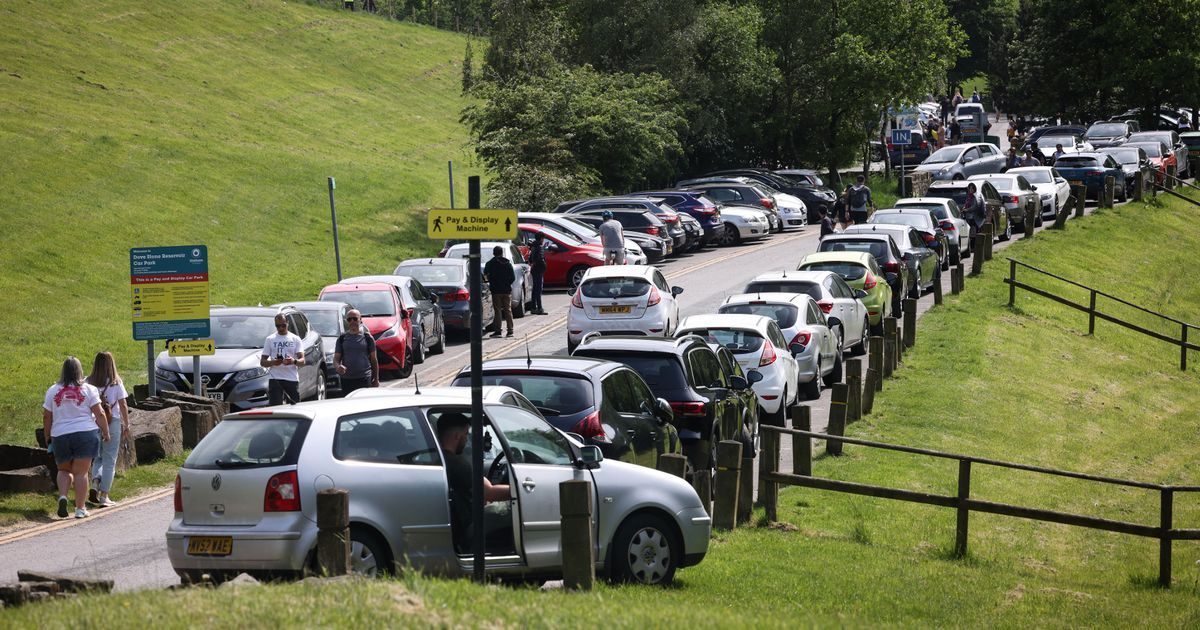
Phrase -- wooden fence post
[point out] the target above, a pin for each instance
(868, 395)
(854, 381)
(964, 514)
(578, 548)
(837, 418)
(729, 464)
(333, 532)
(978, 255)
(1170, 179)
(802, 444)
(746, 479)
(1030, 224)
(1012, 282)
(875, 360)
(673, 463)
(1166, 501)
(956, 279)
(1183, 347)
(702, 481)
(890, 333)
(889, 358)
(909, 306)
(1139, 183)
(990, 233)
(1079, 191)
(937, 288)
(1108, 192)
(768, 491)
(1092, 313)
(1064, 213)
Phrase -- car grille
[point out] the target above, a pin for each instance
(213, 381)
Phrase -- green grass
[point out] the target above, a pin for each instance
(1024, 384)
(208, 122)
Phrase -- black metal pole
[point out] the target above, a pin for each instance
(450, 170)
(337, 252)
(476, 389)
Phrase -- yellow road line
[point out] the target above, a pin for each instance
(92, 515)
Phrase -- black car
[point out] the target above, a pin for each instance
(814, 196)
(886, 254)
(738, 193)
(446, 280)
(1109, 133)
(1052, 130)
(706, 401)
(634, 221)
(693, 204)
(428, 326)
(804, 176)
(606, 403)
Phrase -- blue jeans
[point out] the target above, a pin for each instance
(105, 464)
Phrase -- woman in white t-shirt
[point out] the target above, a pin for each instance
(104, 377)
(71, 415)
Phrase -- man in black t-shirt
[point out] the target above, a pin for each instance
(354, 355)
(453, 430)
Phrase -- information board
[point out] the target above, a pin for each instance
(169, 292)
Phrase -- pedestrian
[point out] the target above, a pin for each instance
(354, 357)
(107, 381)
(955, 132)
(1030, 159)
(282, 355)
(974, 209)
(612, 239)
(1058, 152)
(861, 202)
(74, 423)
(957, 99)
(974, 96)
(842, 209)
(826, 223)
(944, 105)
(537, 267)
(500, 277)
(1013, 160)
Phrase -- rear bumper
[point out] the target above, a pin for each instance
(254, 548)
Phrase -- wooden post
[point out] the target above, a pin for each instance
(978, 255)
(1064, 213)
(1030, 223)
(1012, 282)
(964, 515)
(1079, 191)
(768, 492)
(837, 418)
(729, 468)
(702, 481)
(890, 334)
(889, 359)
(987, 242)
(1139, 183)
(854, 370)
(909, 306)
(1183, 347)
(801, 444)
(673, 464)
(578, 548)
(1166, 501)
(899, 341)
(875, 360)
(868, 395)
(1092, 313)
(746, 480)
(333, 532)
(956, 279)
(1170, 179)
(1108, 192)
(937, 288)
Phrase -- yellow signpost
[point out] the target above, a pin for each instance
(191, 348)
(473, 224)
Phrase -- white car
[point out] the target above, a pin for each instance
(816, 346)
(791, 208)
(950, 219)
(843, 308)
(1050, 186)
(622, 300)
(582, 231)
(758, 344)
(522, 287)
(743, 223)
(1048, 145)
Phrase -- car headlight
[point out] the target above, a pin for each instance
(596, 257)
(164, 374)
(249, 375)
(391, 332)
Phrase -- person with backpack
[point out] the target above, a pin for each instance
(860, 201)
(354, 357)
(71, 415)
(104, 378)
(500, 277)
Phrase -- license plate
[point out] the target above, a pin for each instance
(1076, 182)
(210, 545)
(609, 310)
(216, 395)
(909, 156)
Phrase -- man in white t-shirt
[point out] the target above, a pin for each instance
(282, 355)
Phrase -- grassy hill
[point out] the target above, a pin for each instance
(207, 121)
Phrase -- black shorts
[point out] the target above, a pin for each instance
(277, 388)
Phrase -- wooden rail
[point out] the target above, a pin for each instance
(1094, 313)
(962, 502)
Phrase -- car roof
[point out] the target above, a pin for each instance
(862, 258)
(801, 275)
(637, 343)
(269, 311)
(875, 236)
(482, 245)
(726, 320)
(620, 271)
(311, 305)
(358, 286)
(415, 262)
(769, 297)
(333, 408)
(542, 364)
(1030, 169)
(943, 201)
(491, 393)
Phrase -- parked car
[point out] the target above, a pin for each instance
(1108, 133)
(632, 220)
(1091, 170)
(246, 498)
(816, 346)
(1051, 130)
(575, 225)
(949, 218)
(646, 250)
(708, 404)
(733, 192)
(925, 222)
(749, 400)
(860, 272)
(1159, 156)
(812, 196)
(1051, 187)
(522, 287)
(742, 224)
(668, 227)
(1192, 140)
(910, 155)
(232, 373)
(695, 233)
(622, 300)
(805, 176)
(424, 313)
(1174, 144)
(758, 344)
(957, 190)
(961, 161)
(920, 262)
(606, 403)
(385, 318)
(902, 277)
(567, 258)
(972, 120)
(1071, 144)
(1018, 196)
(693, 204)
(328, 319)
(447, 281)
(843, 306)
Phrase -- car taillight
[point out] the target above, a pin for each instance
(946, 225)
(577, 299)
(652, 231)
(590, 427)
(689, 408)
(801, 339)
(178, 495)
(924, 144)
(768, 355)
(826, 306)
(1014, 199)
(869, 281)
(655, 297)
(461, 295)
(1088, 173)
(893, 267)
(708, 209)
(283, 493)
(929, 238)
(767, 202)
(891, 147)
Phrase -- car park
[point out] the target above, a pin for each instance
(640, 248)
(1018, 196)
(842, 305)
(961, 161)
(733, 192)
(957, 190)
(861, 273)
(246, 498)
(606, 403)
(949, 218)
(445, 279)
(1108, 133)
(903, 277)
(918, 260)
(522, 286)
(1159, 156)
(1091, 170)
(924, 221)
(583, 230)
(567, 258)
(1051, 187)
(809, 196)
(815, 345)
(328, 319)
(622, 300)
(632, 220)
(428, 329)
(757, 344)
(1174, 146)
(1049, 144)
(668, 226)
(693, 204)
(384, 317)
(233, 373)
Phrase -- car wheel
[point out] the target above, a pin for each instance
(368, 554)
(440, 346)
(914, 292)
(1007, 231)
(575, 276)
(518, 306)
(835, 375)
(645, 550)
(730, 236)
(406, 371)
(955, 255)
(320, 393)
(418, 352)
(812, 389)
(860, 348)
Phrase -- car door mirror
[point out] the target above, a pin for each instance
(860, 294)
(754, 376)
(665, 413)
(738, 383)
(590, 457)
(1060, 180)
(675, 291)
(576, 437)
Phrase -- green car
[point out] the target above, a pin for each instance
(861, 272)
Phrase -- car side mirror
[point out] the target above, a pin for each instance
(675, 291)
(665, 413)
(738, 383)
(1060, 180)
(590, 457)
(860, 294)
(754, 376)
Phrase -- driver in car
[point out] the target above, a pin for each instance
(453, 430)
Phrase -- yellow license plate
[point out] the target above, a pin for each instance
(210, 545)
(609, 310)
(1076, 182)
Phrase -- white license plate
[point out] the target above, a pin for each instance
(216, 395)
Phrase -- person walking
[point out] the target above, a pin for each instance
(1031, 158)
(282, 355)
(974, 96)
(1058, 152)
(74, 423)
(861, 202)
(612, 239)
(354, 357)
(955, 132)
(105, 379)
(500, 277)
(945, 112)
(537, 267)
(974, 210)
(842, 208)
(1013, 160)
(956, 100)
(826, 223)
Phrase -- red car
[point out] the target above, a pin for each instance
(567, 258)
(385, 319)
(1160, 158)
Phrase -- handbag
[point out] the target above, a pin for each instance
(104, 405)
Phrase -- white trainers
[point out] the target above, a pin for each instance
(105, 501)
(80, 513)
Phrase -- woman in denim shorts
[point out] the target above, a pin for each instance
(74, 420)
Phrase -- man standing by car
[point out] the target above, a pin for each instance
(354, 355)
(500, 277)
(453, 429)
(537, 267)
(282, 355)
(612, 239)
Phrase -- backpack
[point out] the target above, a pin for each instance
(107, 408)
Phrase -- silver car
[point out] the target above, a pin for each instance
(245, 499)
(743, 223)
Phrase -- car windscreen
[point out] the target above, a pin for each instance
(661, 371)
(785, 286)
(1051, 141)
(1107, 130)
(946, 154)
(736, 340)
(1007, 183)
(914, 219)
(433, 274)
(872, 246)
(251, 443)
(613, 288)
(1075, 162)
(1124, 156)
(959, 195)
(553, 394)
(561, 235)
(784, 314)
(369, 303)
(1152, 149)
(847, 270)
(241, 331)
(324, 322)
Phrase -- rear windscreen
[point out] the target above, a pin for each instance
(553, 394)
(959, 195)
(250, 443)
(785, 286)
(874, 247)
(897, 218)
(615, 288)
(661, 371)
(784, 314)
(433, 274)
(1076, 162)
(738, 341)
(847, 270)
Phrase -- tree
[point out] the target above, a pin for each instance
(987, 25)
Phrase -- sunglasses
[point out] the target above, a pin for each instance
(351, 319)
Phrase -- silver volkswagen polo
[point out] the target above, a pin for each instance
(245, 499)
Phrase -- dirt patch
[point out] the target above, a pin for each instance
(781, 526)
